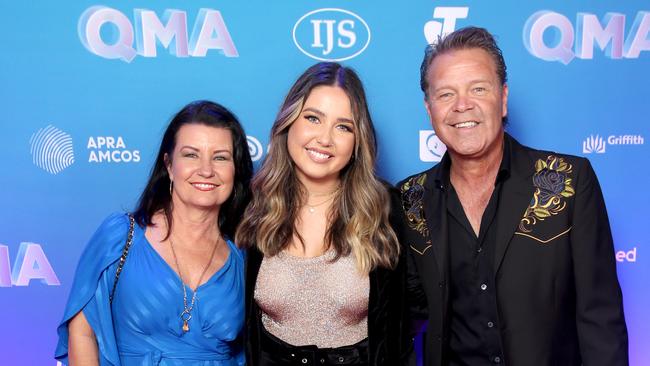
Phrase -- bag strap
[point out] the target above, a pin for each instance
(125, 252)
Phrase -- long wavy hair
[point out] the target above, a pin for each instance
(156, 196)
(358, 222)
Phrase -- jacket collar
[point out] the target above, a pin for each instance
(515, 172)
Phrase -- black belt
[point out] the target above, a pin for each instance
(277, 352)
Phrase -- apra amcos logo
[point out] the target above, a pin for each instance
(331, 34)
(434, 29)
(431, 148)
(110, 149)
(109, 33)
(51, 149)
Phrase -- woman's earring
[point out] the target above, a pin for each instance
(171, 187)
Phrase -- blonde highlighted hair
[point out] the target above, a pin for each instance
(358, 223)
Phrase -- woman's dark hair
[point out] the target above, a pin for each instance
(156, 195)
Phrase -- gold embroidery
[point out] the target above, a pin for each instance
(552, 186)
(541, 240)
(412, 200)
(423, 250)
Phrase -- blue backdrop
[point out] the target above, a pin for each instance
(87, 88)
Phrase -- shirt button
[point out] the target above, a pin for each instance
(304, 360)
(479, 250)
(341, 359)
(483, 287)
(497, 359)
(490, 324)
(322, 360)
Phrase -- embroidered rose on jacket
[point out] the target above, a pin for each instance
(412, 197)
(552, 185)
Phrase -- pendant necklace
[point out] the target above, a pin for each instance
(312, 208)
(186, 315)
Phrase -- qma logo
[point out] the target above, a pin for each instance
(331, 34)
(51, 149)
(108, 33)
(551, 36)
(431, 148)
(30, 264)
(255, 148)
(598, 145)
(433, 30)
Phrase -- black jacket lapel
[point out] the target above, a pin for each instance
(516, 193)
(435, 214)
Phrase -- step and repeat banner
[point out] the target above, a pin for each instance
(86, 89)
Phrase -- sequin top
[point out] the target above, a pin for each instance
(313, 301)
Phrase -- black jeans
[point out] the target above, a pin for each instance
(276, 352)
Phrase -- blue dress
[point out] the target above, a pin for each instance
(144, 327)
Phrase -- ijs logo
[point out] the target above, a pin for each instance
(593, 144)
(597, 144)
(108, 33)
(31, 264)
(51, 149)
(431, 148)
(254, 148)
(331, 34)
(550, 36)
(433, 30)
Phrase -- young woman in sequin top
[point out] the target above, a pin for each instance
(323, 276)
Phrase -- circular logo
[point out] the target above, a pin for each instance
(51, 149)
(435, 146)
(254, 148)
(331, 34)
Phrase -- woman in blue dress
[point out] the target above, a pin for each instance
(178, 298)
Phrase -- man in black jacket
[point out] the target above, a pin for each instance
(510, 250)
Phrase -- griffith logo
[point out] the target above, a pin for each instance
(593, 144)
(431, 148)
(51, 149)
(331, 34)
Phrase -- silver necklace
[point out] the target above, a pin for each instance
(186, 315)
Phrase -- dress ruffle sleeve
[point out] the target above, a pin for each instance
(91, 288)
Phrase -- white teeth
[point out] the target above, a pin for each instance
(204, 185)
(318, 155)
(465, 124)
